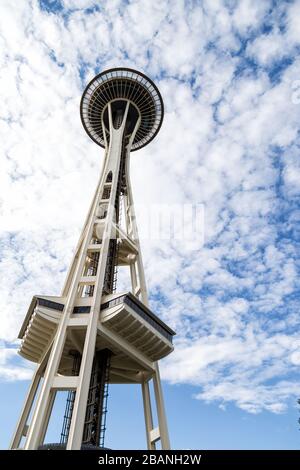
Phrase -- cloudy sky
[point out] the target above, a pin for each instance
(229, 74)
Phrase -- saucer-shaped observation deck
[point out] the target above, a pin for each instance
(116, 86)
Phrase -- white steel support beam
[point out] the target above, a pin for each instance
(161, 414)
(22, 426)
(133, 233)
(148, 414)
(65, 382)
(20, 430)
(74, 262)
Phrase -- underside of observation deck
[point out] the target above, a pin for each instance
(126, 327)
(115, 85)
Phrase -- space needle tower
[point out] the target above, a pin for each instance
(93, 335)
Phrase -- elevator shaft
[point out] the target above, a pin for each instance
(95, 418)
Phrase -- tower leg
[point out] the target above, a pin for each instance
(161, 414)
(21, 426)
(161, 432)
(134, 282)
(40, 413)
(148, 414)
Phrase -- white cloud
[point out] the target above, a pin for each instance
(293, 13)
(295, 358)
(12, 368)
(250, 14)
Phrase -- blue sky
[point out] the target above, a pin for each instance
(229, 74)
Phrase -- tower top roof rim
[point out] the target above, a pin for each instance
(122, 83)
